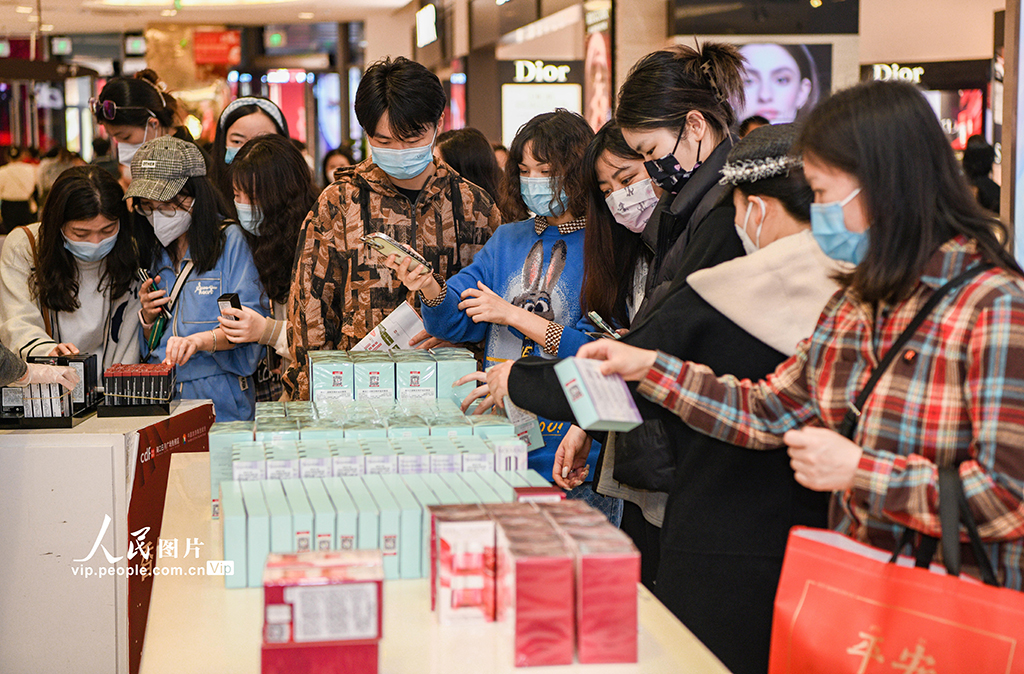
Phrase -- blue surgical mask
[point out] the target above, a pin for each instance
(829, 230)
(249, 217)
(229, 154)
(539, 193)
(91, 252)
(404, 164)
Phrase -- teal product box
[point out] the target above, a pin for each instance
(234, 523)
(347, 521)
(282, 537)
(415, 377)
(375, 379)
(492, 425)
(367, 430)
(459, 486)
(322, 430)
(271, 407)
(302, 515)
(476, 458)
(418, 487)
(599, 402)
(445, 494)
(445, 459)
(503, 489)
(391, 544)
(223, 437)
(333, 411)
(315, 459)
(509, 453)
(450, 370)
(282, 461)
(410, 539)
(380, 459)
(300, 409)
(534, 479)
(368, 535)
(514, 478)
(451, 427)
(257, 532)
(277, 430)
(407, 428)
(413, 460)
(323, 514)
(248, 462)
(347, 458)
(481, 487)
(331, 376)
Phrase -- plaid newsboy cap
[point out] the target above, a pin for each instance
(162, 166)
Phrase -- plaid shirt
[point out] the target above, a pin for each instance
(954, 396)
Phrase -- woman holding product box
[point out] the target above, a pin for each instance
(67, 284)
(728, 510)
(521, 294)
(178, 219)
(273, 191)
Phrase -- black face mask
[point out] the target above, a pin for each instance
(666, 172)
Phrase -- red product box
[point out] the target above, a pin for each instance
(353, 657)
(537, 582)
(607, 573)
(539, 494)
(498, 510)
(318, 600)
(462, 564)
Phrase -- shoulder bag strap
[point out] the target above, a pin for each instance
(47, 324)
(179, 283)
(849, 424)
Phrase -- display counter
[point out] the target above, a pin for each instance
(196, 625)
(70, 499)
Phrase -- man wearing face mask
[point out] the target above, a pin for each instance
(339, 290)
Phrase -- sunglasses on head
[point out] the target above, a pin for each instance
(108, 109)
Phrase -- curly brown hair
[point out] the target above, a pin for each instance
(559, 139)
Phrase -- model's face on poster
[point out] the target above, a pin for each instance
(774, 86)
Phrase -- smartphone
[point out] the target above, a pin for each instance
(143, 276)
(602, 325)
(228, 300)
(386, 246)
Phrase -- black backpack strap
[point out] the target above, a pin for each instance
(849, 424)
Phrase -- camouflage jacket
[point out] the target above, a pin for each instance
(339, 291)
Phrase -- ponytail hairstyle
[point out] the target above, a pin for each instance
(560, 140)
(665, 86)
(81, 193)
(272, 173)
(137, 99)
(610, 251)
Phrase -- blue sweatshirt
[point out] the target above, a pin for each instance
(541, 273)
(225, 376)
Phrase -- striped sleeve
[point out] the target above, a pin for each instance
(904, 488)
(741, 412)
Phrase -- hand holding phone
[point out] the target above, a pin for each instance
(602, 325)
(143, 276)
(229, 301)
(387, 246)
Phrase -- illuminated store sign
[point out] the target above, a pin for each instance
(537, 71)
(894, 72)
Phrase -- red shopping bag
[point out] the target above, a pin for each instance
(842, 608)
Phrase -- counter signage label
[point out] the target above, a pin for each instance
(890, 72)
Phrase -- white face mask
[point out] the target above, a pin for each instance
(751, 245)
(249, 217)
(633, 204)
(169, 227)
(126, 151)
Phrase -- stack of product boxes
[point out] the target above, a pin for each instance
(395, 375)
(355, 475)
(558, 574)
(138, 384)
(322, 612)
(53, 400)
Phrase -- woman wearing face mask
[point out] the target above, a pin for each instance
(193, 256)
(134, 110)
(273, 193)
(67, 284)
(243, 119)
(891, 199)
(726, 512)
(521, 294)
